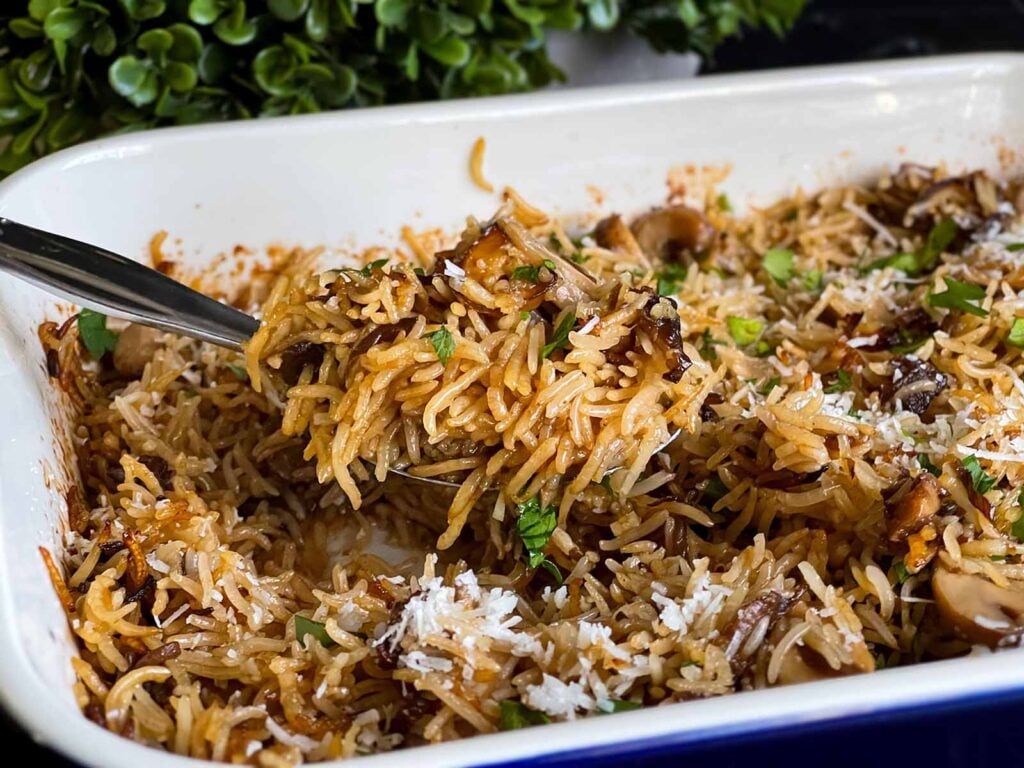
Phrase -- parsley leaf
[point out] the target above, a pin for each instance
(714, 489)
(958, 296)
(981, 481)
(842, 383)
(905, 262)
(811, 280)
(670, 278)
(561, 335)
(238, 370)
(528, 273)
(926, 464)
(368, 269)
(778, 262)
(536, 524)
(444, 344)
(722, 201)
(1018, 526)
(769, 385)
(515, 715)
(524, 315)
(939, 238)
(900, 571)
(551, 568)
(708, 344)
(93, 331)
(304, 626)
(1015, 338)
(618, 705)
(578, 257)
(743, 330)
(1014, 247)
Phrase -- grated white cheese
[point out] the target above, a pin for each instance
(559, 699)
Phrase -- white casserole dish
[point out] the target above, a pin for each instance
(353, 179)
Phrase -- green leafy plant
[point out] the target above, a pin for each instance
(71, 70)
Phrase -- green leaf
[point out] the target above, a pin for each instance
(143, 10)
(618, 705)
(551, 568)
(603, 14)
(155, 41)
(443, 343)
(26, 29)
(722, 201)
(134, 79)
(714, 489)
(392, 13)
(92, 330)
(900, 571)
(235, 29)
(926, 464)
(180, 77)
(528, 273)
(842, 383)
(187, 45)
(314, 629)
(240, 373)
(769, 385)
(287, 10)
(905, 262)
(206, 12)
(535, 524)
(1015, 338)
(451, 51)
(104, 41)
(214, 63)
(1018, 525)
(811, 280)
(274, 68)
(939, 238)
(981, 481)
(670, 279)
(959, 296)
(743, 330)
(40, 9)
(65, 23)
(1014, 247)
(515, 715)
(375, 264)
(778, 262)
(708, 344)
(318, 20)
(561, 335)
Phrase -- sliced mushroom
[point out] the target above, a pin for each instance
(135, 347)
(978, 610)
(915, 508)
(756, 617)
(802, 665)
(667, 234)
(574, 283)
(660, 319)
(613, 234)
(914, 384)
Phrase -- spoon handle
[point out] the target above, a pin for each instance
(104, 281)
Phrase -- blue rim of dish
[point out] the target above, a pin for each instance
(772, 728)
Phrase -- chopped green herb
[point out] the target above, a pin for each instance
(900, 571)
(743, 330)
(905, 262)
(670, 279)
(714, 489)
(561, 335)
(926, 464)
(909, 341)
(997, 558)
(1014, 247)
(842, 383)
(981, 481)
(189, 393)
(763, 348)
(551, 568)
(1018, 525)
(515, 715)
(618, 705)
(778, 262)
(606, 483)
(368, 269)
(578, 257)
(722, 201)
(304, 626)
(811, 280)
(939, 238)
(549, 264)
(93, 331)
(1015, 338)
(528, 274)
(444, 344)
(853, 413)
(769, 385)
(959, 296)
(418, 271)
(240, 373)
(524, 315)
(708, 344)
(536, 523)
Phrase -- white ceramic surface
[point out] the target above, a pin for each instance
(353, 179)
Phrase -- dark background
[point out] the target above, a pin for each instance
(968, 735)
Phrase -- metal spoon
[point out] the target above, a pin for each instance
(110, 283)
